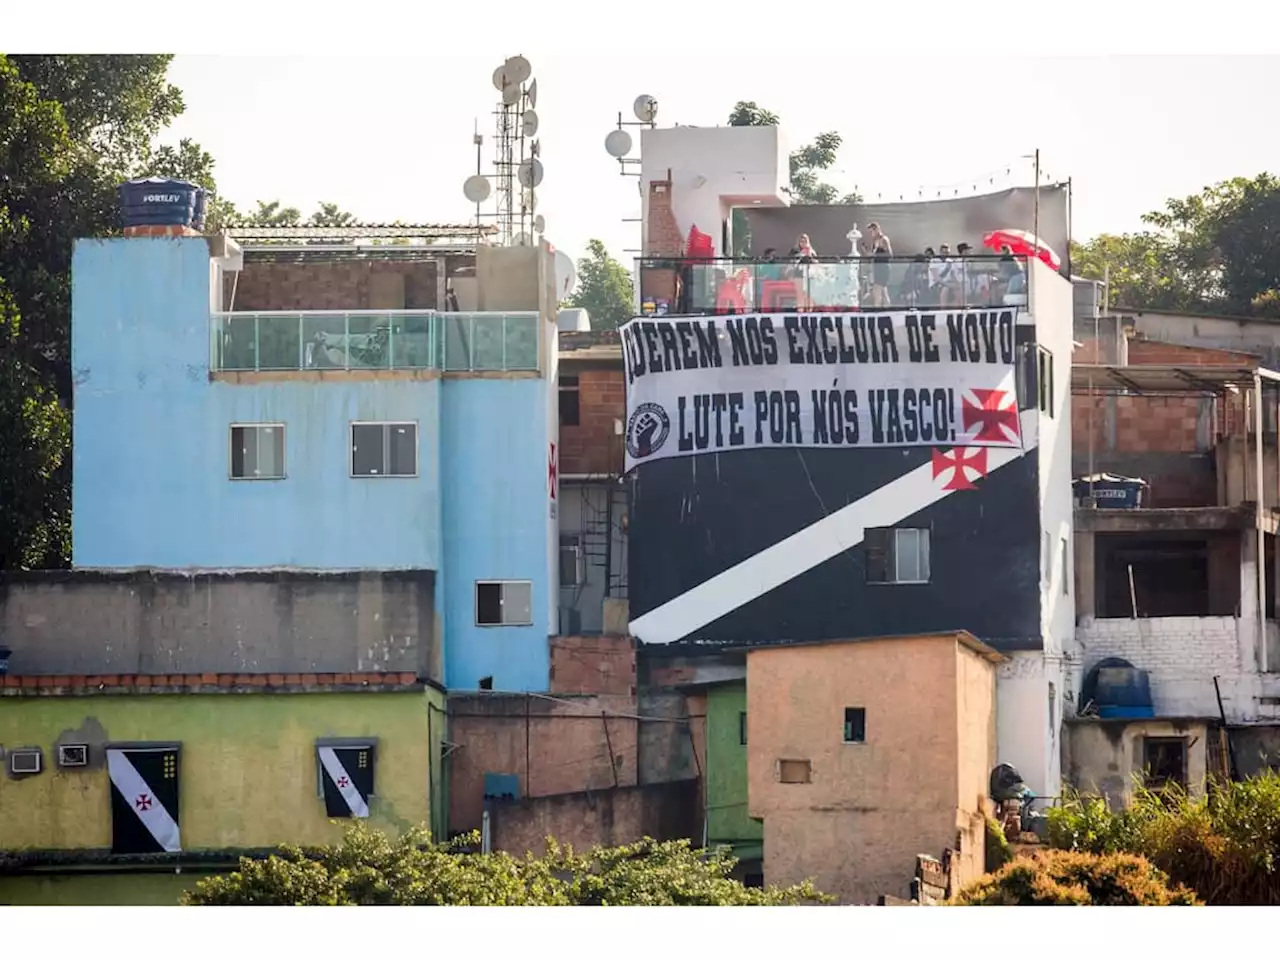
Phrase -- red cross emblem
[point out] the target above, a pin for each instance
(966, 464)
(143, 802)
(552, 470)
(343, 781)
(995, 415)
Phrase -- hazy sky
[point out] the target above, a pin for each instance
(390, 137)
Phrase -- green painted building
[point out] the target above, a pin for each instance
(727, 821)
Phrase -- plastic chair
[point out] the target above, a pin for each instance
(778, 295)
(731, 297)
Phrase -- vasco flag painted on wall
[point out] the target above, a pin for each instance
(347, 777)
(144, 799)
(896, 379)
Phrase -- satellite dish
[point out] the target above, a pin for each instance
(500, 78)
(566, 275)
(530, 122)
(532, 93)
(540, 224)
(617, 144)
(529, 173)
(510, 93)
(523, 240)
(645, 108)
(476, 188)
(517, 70)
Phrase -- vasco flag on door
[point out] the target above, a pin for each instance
(144, 799)
(347, 776)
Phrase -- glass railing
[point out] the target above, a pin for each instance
(375, 340)
(772, 286)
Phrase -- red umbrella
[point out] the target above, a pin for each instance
(1023, 243)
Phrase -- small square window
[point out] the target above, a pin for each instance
(742, 728)
(504, 603)
(573, 572)
(257, 451)
(897, 555)
(795, 771)
(384, 449)
(855, 725)
(570, 409)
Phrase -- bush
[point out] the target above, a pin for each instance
(1064, 878)
(369, 868)
(998, 851)
(1225, 845)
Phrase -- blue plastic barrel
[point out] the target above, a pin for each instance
(156, 201)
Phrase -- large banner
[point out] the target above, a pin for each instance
(713, 384)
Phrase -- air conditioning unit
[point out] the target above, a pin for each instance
(25, 761)
(73, 755)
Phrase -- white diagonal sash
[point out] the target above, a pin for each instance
(143, 801)
(338, 774)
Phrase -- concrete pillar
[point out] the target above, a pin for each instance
(1275, 577)
(1249, 599)
(1086, 575)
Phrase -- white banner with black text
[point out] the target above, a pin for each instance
(896, 379)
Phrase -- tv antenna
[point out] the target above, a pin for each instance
(517, 164)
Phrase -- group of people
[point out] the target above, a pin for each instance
(931, 279)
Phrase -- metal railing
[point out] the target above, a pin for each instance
(833, 284)
(374, 340)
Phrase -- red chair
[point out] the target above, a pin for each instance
(731, 297)
(778, 295)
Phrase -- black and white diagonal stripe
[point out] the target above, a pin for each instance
(144, 800)
(347, 776)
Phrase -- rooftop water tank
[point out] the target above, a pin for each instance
(159, 202)
(573, 320)
(1118, 689)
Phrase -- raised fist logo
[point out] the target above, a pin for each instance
(647, 430)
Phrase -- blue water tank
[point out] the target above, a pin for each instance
(156, 201)
(1124, 692)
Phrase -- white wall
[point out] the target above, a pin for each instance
(1183, 655)
(1035, 689)
(710, 167)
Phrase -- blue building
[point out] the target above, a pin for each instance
(333, 417)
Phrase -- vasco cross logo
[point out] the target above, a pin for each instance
(647, 430)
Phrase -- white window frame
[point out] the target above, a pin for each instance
(386, 425)
(284, 448)
(894, 551)
(475, 598)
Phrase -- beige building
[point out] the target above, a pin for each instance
(865, 753)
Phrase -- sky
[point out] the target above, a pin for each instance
(373, 108)
(390, 138)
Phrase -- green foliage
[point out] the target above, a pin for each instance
(1065, 878)
(1214, 251)
(807, 163)
(35, 524)
(998, 852)
(604, 289)
(370, 868)
(1225, 845)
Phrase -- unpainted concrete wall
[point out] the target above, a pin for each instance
(83, 622)
(1106, 757)
(666, 811)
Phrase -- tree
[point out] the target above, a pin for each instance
(805, 166)
(35, 522)
(370, 868)
(72, 128)
(1214, 251)
(605, 289)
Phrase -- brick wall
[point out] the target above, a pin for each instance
(592, 447)
(593, 665)
(338, 285)
(1183, 655)
(662, 239)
